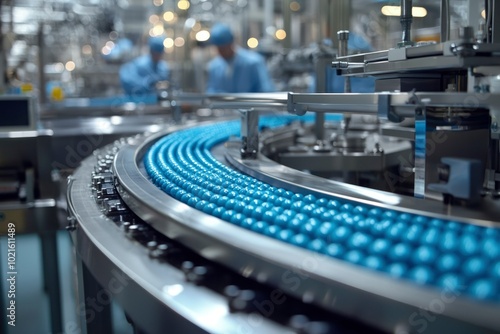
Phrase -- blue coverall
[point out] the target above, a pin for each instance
(246, 72)
(140, 75)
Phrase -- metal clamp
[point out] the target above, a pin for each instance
(344, 65)
(249, 133)
(72, 221)
(466, 47)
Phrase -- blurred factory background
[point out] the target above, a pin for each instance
(65, 121)
(80, 45)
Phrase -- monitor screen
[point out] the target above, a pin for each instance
(16, 113)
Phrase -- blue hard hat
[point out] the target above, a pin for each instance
(221, 34)
(156, 44)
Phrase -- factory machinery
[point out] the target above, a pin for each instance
(307, 213)
(28, 192)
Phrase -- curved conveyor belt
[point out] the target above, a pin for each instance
(448, 255)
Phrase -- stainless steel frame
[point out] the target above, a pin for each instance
(425, 58)
(28, 154)
(386, 104)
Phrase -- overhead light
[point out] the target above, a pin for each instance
(154, 19)
(105, 50)
(168, 42)
(157, 30)
(483, 13)
(179, 41)
(294, 6)
(168, 16)
(202, 36)
(396, 11)
(252, 42)
(183, 4)
(280, 34)
(87, 49)
(70, 66)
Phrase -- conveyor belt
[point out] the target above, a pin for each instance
(452, 255)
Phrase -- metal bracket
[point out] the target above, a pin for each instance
(294, 108)
(72, 223)
(385, 110)
(249, 133)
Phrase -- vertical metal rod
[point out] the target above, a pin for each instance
(343, 36)
(322, 15)
(339, 17)
(494, 165)
(322, 66)
(3, 58)
(420, 153)
(287, 25)
(473, 14)
(249, 133)
(406, 20)
(268, 15)
(42, 96)
(91, 320)
(445, 20)
(51, 278)
(495, 22)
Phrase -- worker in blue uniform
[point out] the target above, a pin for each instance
(235, 69)
(139, 76)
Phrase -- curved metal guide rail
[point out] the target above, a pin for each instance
(154, 293)
(361, 274)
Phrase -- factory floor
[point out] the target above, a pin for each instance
(32, 302)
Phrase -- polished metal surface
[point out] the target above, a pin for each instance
(356, 148)
(435, 57)
(154, 294)
(406, 21)
(401, 104)
(247, 100)
(81, 107)
(338, 162)
(445, 20)
(280, 176)
(334, 285)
